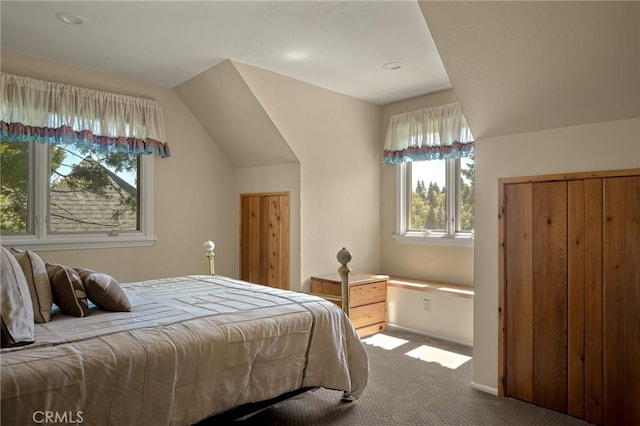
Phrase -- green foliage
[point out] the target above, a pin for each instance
(14, 187)
(86, 175)
(120, 162)
(57, 155)
(428, 203)
(467, 196)
(428, 207)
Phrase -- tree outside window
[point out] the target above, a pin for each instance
(86, 191)
(434, 209)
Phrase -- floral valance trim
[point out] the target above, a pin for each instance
(428, 134)
(424, 153)
(48, 112)
(18, 132)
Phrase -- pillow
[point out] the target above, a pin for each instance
(68, 291)
(17, 310)
(38, 281)
(104, 291)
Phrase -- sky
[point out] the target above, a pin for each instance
(431, 171)
(74, 157)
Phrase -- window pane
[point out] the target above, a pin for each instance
(93, 192)
(465, 202)
(15, 202)
(428, 195)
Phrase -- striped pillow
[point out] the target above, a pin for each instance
(68, 291)
(38, 281)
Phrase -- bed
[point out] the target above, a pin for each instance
(190, 348)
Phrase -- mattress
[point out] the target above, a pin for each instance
(190, 348)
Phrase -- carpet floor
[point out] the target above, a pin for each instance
(408, 390)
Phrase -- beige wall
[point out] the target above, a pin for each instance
(285, 177)
(450, 317)
(194, 199)
(601, 146)
(335, 138)
(448, 264)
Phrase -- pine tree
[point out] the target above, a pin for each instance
(467, 194)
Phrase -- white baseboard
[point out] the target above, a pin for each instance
(483, 388)
(435, 336)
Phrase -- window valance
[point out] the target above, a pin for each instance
(47, 112)
(428, 134)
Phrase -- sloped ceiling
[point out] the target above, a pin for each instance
(227, 109)
(518, 67)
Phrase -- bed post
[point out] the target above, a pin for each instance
(209, 246)
(344, 257)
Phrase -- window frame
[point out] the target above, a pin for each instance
(40, 239)
(450, 237)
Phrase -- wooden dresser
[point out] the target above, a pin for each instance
(367, 299)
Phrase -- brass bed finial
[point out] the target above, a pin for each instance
(209, 246)
(344, 257)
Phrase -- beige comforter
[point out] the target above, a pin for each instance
(192, 347)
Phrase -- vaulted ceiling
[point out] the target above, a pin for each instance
(515, 67)
(226, 107)
(518, 67)
(337, 45)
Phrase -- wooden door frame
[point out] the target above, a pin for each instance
(502, 183)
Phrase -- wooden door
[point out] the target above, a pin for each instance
(570, 295)
(264, 239)
(621, 267)
(536, 296)
(584, 352)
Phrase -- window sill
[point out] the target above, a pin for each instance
(426, 240)
(77, 242)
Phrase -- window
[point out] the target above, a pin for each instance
(73, 169)
(65, 196)
(433, 152)
(437, 197)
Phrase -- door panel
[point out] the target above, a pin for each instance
(550, 295)
(519, 294)
(593, 361)
(264, 239)
(622, 300)
(576, 306)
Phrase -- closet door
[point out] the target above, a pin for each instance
(536, 293)
(622, 300)
(570, 296)
(519, 291)
(584, 321)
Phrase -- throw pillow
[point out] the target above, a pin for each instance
(17, 311)
(68, 291)
(104, 291)
(38, 281)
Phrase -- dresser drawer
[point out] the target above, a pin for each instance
(368, 314)
(367, 299)
(366, 294)
(325, 287)
(368, 330)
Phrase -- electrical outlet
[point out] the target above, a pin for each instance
(427, 305)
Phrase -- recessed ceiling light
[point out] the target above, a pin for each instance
(71, 18)
(295, 55)
(392, 66)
